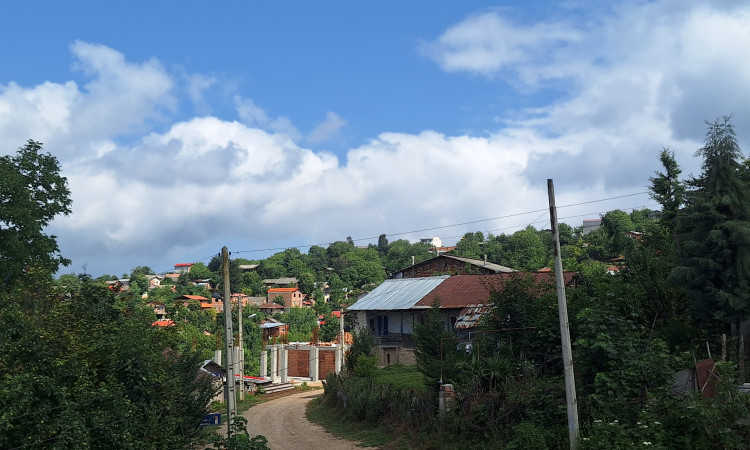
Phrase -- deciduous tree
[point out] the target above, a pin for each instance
(32, 193)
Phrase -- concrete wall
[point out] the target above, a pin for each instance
(395, 355)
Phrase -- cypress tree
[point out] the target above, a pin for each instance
(715, 265)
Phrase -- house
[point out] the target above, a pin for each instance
(590, 225)
(159, 309)
(271, 308)
(182, 267)
(121, 285)
(154, 281)
(203, 301)
(291, 296)
(173, 277)
(249, 267)
(257, 301)
(393, 309)
(280, 282)
(450, 265)
(432, 241)
(163, 323)
(271, 328)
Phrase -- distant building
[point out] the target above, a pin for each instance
(292, 297)
(433, 241)
(182, 267)
(590, 225)
(450, 265)
(281, 282)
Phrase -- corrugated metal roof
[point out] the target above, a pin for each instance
(469, 317)
(397, 294)
(460, 291)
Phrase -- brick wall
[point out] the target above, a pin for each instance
(326, 363)
(299, 363)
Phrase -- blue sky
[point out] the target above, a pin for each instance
(184, 126)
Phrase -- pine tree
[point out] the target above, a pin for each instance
(715, 264)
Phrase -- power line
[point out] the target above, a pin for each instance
(448, 226)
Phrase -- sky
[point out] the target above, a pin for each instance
(183, 127)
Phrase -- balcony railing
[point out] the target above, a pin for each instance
(395, 340)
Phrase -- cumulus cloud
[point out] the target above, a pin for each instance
(329, 129)
(642, 78)
(121, 97)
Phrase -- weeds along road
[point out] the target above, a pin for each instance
(283, 423)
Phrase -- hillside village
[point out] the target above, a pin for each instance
(304, 300)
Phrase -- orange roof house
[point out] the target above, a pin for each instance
(292, 297)
(204, 302)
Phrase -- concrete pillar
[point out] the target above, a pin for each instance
(339, 358)
(284, 369)
(264, 363)
(314, 363)
(274, 364)
(217, 357)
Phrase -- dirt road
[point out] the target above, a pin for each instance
(283, 423)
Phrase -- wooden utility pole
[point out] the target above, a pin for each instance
(228, 343)
(241, 364)
(562, 305)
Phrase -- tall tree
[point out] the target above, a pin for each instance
(32, 193)
(715, 267)
(667, 189)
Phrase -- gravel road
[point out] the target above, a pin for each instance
(283, 423)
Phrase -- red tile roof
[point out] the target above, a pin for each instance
(183, 264)
(286, 289)
(163, 323)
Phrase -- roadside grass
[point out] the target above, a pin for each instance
(337, 422)
(367, 434)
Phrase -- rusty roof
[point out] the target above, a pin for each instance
(462, 291)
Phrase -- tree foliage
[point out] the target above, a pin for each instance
(93, 373)
(32, 193)
(715, 264)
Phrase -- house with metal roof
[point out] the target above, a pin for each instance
(450, 265)
(393, 309)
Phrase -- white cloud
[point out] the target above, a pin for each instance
(643, 78)
(253, 115)
(328, 130)
(489, 43)
(197, 85)
(121, 97)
